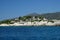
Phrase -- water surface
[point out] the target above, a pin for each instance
(30, 33)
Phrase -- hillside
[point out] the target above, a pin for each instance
(33, 17)
(47, 15)
(52, 15)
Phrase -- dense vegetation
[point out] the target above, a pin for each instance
(24, 18)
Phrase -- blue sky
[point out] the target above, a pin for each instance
(15, 8)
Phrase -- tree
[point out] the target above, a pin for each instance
(20, 18)
(41, 17)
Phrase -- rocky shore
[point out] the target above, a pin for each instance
(41, 23)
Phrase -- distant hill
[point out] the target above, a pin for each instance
(49, 16)
(33, 14)
(52, 15)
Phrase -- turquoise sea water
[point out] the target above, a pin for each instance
(30, 33)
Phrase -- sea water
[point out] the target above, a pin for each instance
(30, 33)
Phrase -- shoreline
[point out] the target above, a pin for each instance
(32, 24)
